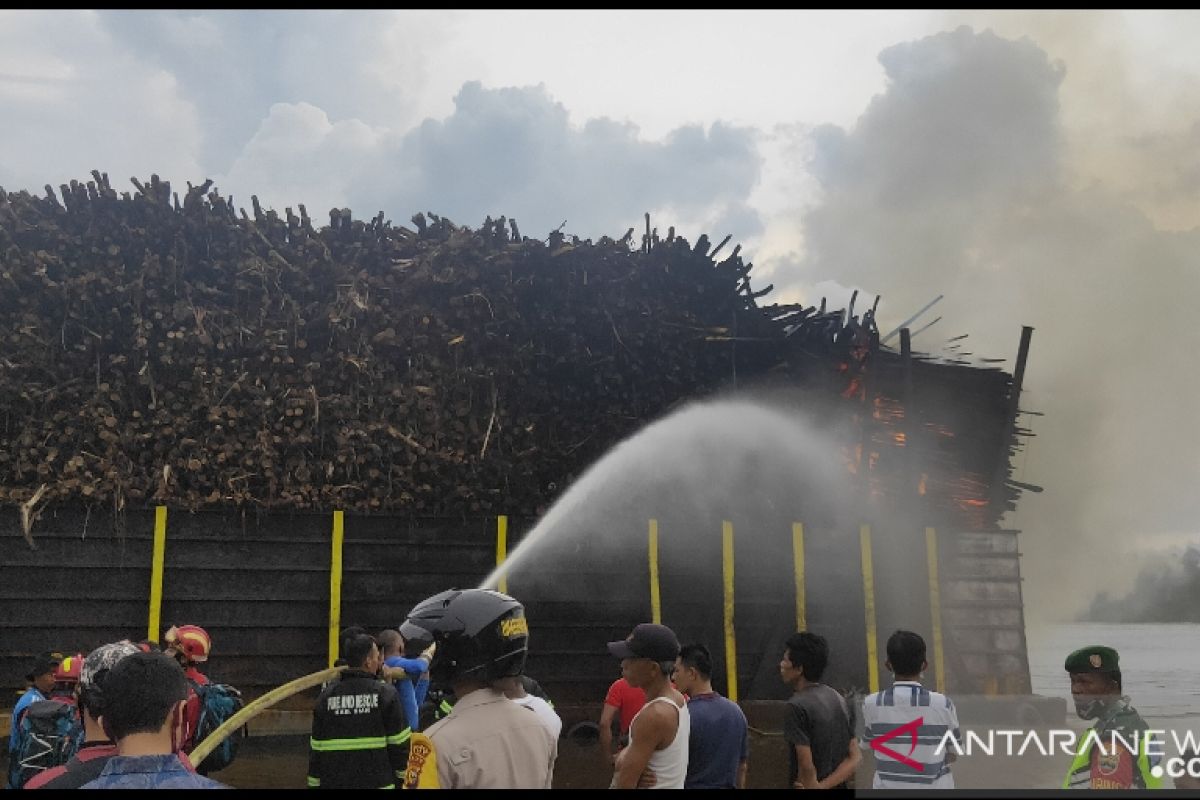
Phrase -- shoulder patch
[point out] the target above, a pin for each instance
(422, 772)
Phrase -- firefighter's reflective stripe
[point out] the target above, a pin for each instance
(313, 782)
(422, 764)
(363, 743)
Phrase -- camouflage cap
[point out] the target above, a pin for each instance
(105, 657)
(1096, 658)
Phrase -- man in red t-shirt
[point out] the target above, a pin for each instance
(623, 700)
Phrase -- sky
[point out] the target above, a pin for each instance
(1036, 168)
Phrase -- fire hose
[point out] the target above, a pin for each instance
(251, 710)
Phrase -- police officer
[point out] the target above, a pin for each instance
(1101, 762)
(486, 741)
(359, 735)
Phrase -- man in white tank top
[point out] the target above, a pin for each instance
(658, 737)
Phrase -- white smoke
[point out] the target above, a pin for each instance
(960, 179)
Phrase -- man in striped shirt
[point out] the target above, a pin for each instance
(906, 723)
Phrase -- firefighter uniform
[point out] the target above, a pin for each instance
(486, 742)
(359, 735)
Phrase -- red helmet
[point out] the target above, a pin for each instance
(69, 669)
(191, 640)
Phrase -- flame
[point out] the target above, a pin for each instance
(900, 439)
(921, 485)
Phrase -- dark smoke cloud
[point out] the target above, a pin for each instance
(1167, 589)
(954, 181)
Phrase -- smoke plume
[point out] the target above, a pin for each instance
(960, 178)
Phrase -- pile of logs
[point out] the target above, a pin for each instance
(158, 351)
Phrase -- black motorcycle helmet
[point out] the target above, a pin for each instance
(478, 632)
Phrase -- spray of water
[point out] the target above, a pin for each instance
(706, 461)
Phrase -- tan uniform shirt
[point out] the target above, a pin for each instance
(490, 742)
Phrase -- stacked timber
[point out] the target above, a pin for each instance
(159, 351)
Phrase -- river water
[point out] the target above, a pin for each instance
(1159, 664)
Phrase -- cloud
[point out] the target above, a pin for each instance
(299, 155)
(234, 66)
(83, 105)
(955, 180)
(507, 151)
(323, 108)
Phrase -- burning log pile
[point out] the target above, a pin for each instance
(153, 350)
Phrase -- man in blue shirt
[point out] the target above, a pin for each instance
(42, 678)
(143, 709)
(410, 676)
(719, 745)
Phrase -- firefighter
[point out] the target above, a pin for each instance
(1096, 689)
(190, 645)
(486, 741)
(359, 736)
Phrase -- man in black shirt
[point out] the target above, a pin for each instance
(822, 749)
(359, 735)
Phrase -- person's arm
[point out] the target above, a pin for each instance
(396, 729)
(807, 778)
(951, 755)
(653, 728)
(607, 715)
(845, 770)
(421, 689)
(743, 768)
(314, 755)
(408, 703)
(396, 668)
(795, 733)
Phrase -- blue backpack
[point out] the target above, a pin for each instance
(49, 733)
(218, 702)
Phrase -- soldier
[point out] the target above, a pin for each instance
(1102, 762)
(486, 741)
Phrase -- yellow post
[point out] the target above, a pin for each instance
(156, 572)
(335, 587)
(798, 557)
(502, 551)
(935, 608)
(655, 603)
(864, 535)
(730, 643)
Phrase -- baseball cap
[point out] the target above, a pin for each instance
(104, 658)
(656, 642)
